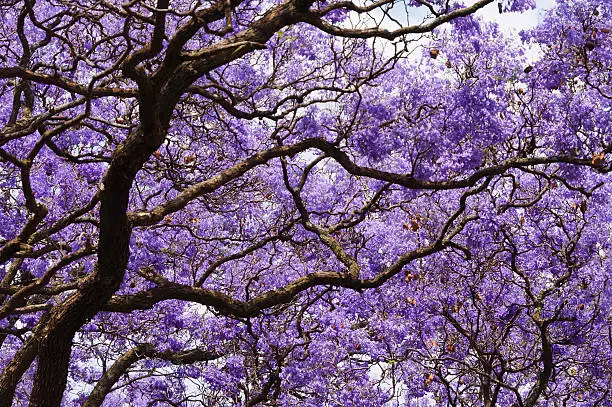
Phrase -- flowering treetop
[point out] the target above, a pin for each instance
(304, 203)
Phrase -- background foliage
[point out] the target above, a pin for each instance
(304, 203)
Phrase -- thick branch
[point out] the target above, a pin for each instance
(66, 84)
(316, 19)
(188, 195)
(125, 361)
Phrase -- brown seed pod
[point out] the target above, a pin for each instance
(598, 159)
(409, 277)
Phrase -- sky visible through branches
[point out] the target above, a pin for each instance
(305, 203)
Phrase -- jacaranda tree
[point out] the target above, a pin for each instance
(304, 203)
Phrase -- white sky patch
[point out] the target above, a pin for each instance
(510, 22)
(507, 21)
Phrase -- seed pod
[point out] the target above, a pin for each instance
(409, 277)
(598, 159)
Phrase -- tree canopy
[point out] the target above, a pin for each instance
(304, 203)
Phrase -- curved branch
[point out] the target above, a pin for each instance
(316, 19)
(156, 214)
(63, 83)
(142, 351)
